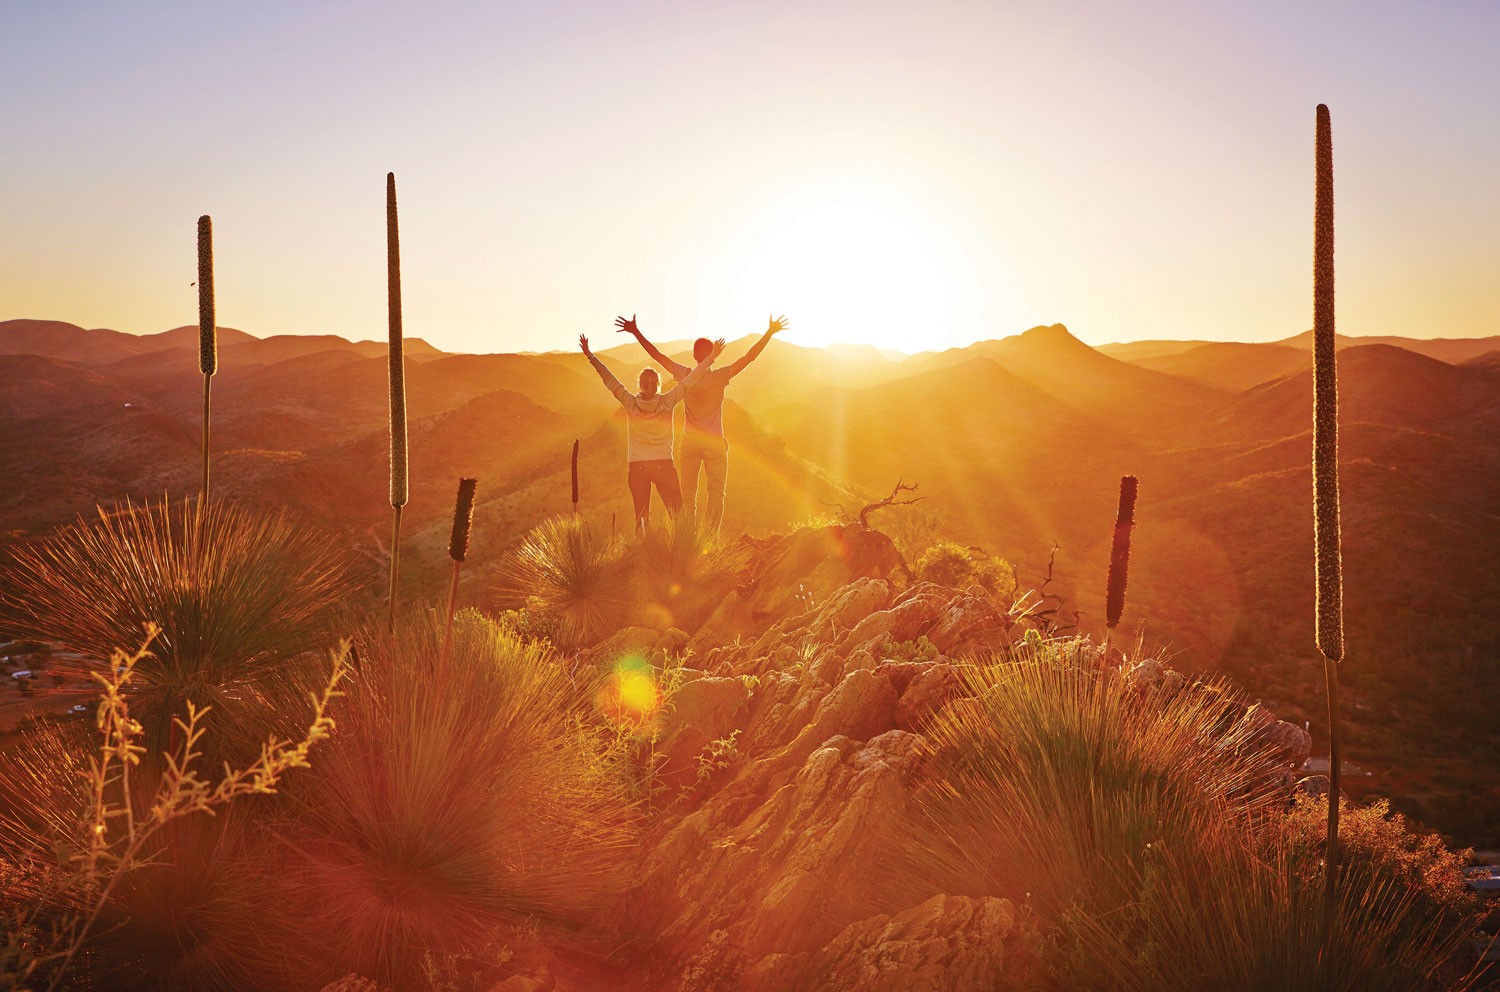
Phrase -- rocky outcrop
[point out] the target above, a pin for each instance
(946, 944)
(781, 866)
(801, 571)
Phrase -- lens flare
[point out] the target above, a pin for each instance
(631, 698)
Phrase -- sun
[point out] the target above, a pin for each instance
(849, 268)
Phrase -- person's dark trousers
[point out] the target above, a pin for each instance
(661, 472)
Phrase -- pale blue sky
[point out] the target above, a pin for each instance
(884, 172)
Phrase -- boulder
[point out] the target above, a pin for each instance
(946, 944)
(701, 711)
(970, 623)
(926, 695)
(1292, 744)
(730, 619)
(636, 642)
(780, 860)
(906, 621)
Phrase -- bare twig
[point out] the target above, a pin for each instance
(891, 500)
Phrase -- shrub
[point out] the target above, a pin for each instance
(1058, 781)
(246, 601)
(1148, 832)
(456, 802)
(679, 576)
(156, 895)
(956, 566)
(576, 582)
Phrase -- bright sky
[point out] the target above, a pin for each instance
(907, 175)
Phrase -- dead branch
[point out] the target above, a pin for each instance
(891, 500)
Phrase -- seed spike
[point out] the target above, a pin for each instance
(1119, 552)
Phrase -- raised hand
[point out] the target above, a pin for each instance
(718, 349)
(583, 342)
(776, 324)
(627, 326)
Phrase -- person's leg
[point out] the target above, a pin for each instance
(689, 461)
(664, 474)
(640, 492)
(715, 456)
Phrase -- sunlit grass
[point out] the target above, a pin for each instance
(1148, 832)
(680, 576)
(245, 601)
(575, 578)
(456, 801)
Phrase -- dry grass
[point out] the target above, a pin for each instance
(680, 576)
(578, 581)
(246, 601)
(455, 804)
(1149, 835)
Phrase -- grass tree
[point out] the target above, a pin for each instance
(395, 354)
(208, 344)
(458, 548)
(245, 602)
(1329, 567)
(1119, 558)
(575, 477)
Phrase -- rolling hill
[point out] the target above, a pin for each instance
(1017, 444)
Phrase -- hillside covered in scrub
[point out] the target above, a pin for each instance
(791, 762)
(1017, 444)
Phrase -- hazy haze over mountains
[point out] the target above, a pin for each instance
(1017, 443)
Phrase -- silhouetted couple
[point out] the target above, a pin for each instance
(649, 414)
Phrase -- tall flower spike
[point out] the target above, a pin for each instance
(395, 352)
(208, 344)
(575, 475)
(1330, 599)
(1119, 552)
(463, 519)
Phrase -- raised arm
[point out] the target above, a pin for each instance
(614, 385)
(677, 369)
(674, 395)
(736, 367)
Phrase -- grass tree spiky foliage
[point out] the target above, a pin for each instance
(1057, 780)
(245, 600)
(577, 581)
(208, 334)
(575, 477)
(458, 547)
(1119, 557)
(680, 575)
(439, 818)
(1329, 566)
(1145, 827)
(395, 354)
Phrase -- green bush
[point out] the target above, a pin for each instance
(958, 567)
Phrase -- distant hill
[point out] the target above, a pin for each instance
(1239, 365)
(56, 339)
(1016, 443)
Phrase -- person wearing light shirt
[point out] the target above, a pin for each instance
(703, 445)
(649, 429)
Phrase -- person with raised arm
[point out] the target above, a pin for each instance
(649, 429)
(703, 444)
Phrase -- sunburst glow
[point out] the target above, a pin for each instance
(852, 268)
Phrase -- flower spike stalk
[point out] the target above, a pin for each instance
(458, 548)
(208, 344)
(1325, 458)
(1119, 558)
(395, 355)
(575, 477)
